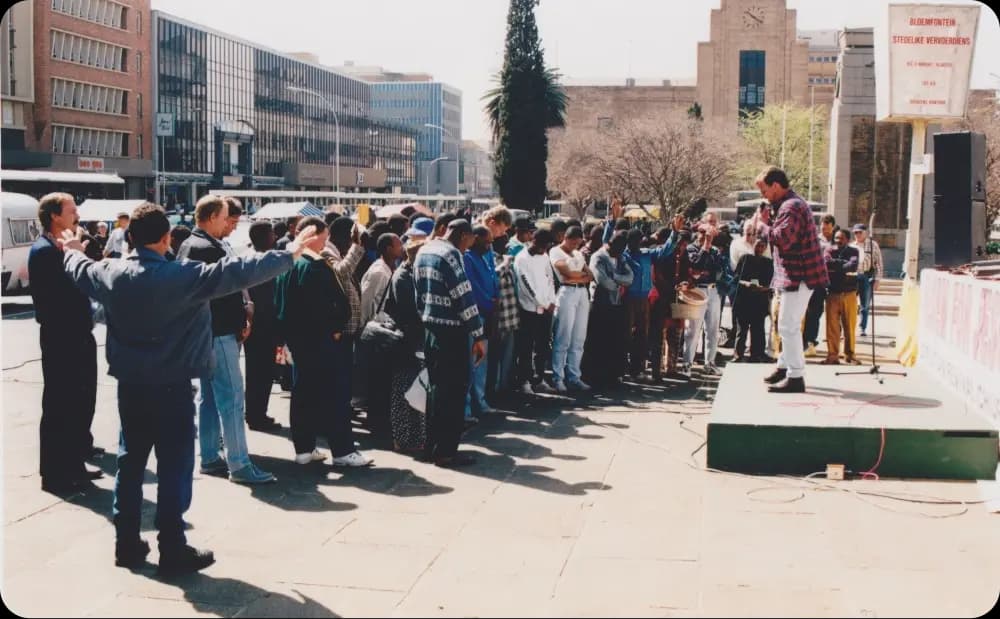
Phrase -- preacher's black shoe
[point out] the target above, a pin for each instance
(776, 377)
(789, 385)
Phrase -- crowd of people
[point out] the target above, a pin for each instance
(419, 322)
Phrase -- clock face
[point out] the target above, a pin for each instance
(753, 17)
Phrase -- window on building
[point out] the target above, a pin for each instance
(751, 85)
(138, 104)
(138, 146)
(88, 52)
(72, 140)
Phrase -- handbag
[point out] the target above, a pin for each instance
(416, 395)
(381, 333)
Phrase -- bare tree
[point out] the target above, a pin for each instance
(667, 160)
(985, 119)
(572, 168)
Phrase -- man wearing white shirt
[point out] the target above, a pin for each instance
(572, 312)
(537, 296)
(116, 247)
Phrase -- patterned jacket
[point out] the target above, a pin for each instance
(795, 243)
(507, 309)
(444, 294)
(343, 269)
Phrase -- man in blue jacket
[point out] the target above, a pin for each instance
(480, 268)
(159, 338)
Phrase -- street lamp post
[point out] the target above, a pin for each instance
(458, 157)
(336, 123)
(427, 175)
(812, 114)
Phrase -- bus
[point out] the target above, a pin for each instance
(80, 185)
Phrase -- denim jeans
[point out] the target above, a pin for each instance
(159, 417)
(864, 300)
(220, 407)
(475, 396)
(500, 368)
(710, 320)
(569, 333)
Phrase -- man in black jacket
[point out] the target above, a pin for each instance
(69, 353)
(753, 299)
(842, 262)
(263, 339)
(221, 398)
(313, 312)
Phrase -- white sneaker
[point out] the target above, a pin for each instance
(526, 389)
(313, 456)
(559, 386)
(353, 459)
(578, 385)
(711, 369)
(686, 370)
(811, 351)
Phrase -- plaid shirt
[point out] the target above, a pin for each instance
(507, 308)
(795, 243)
(343, 270)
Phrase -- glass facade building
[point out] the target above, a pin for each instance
(237, 122)
(416, 105)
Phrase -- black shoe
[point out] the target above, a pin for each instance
(267, 424)
(131, 554)
(763, 359)
(455, 461)
(777, 376)
(789, 385)
(65, 486)
(89, 473)
(184, 560)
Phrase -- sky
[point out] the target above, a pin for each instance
(460, 42)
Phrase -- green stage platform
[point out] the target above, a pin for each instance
(929, 432)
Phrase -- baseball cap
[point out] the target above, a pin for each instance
(859, 228)
(460, 224)
(524, 224)
(422, 226)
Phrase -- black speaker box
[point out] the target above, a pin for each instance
(959, 197)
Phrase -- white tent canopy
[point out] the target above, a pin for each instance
(106, 210)
(282, 210)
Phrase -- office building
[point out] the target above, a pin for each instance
(76, 88)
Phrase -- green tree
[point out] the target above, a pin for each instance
(528, 101)
(762, 136)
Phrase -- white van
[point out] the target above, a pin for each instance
(20, 229)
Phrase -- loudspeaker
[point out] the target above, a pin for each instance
(959, 197)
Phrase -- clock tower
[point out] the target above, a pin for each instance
(753, 59)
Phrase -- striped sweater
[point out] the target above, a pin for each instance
(444, 294)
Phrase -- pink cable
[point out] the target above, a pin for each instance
(870, 473)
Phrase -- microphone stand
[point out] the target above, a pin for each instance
(875, 370)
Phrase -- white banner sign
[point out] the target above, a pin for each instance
(926, 73)
(164, 125)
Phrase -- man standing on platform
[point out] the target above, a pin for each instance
(787, 224)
